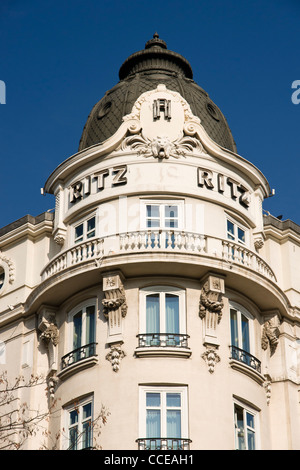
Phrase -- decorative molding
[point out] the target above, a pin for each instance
(268, 388)
(115, 355)
(211, 357)
(210, 307)
(114, 305)
(162, 147)
(270, 333)
(10, 265)
(50, 337)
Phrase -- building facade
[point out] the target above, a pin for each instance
(159, 290)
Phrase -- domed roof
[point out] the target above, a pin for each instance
(144, 71)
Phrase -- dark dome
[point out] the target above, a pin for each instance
(144, 71)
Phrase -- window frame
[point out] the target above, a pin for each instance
(162, 290)
(163, 390)
(246, 409)
(84, 222)
(242, 311)
(162, 203)
(83, 306)
(236, 226)
(75, 406)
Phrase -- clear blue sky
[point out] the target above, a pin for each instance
(58, 58)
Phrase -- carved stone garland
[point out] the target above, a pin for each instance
(114, 310)
(270, 334)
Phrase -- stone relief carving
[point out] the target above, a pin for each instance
(114, 356)
(114, 306)
(270, 334)
(162, 147)
(267, 387)
(11, 267)
(50, 337)
(211, 298)
(211, 357)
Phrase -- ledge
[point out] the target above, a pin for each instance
(77, 367)
(247, 370)
(163, 352)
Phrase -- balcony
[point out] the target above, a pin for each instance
(159, 443)
(164, 242)
(78, 354)
(162, 345)
(245, 357)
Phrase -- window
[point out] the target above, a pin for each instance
(80, 417)
(162, 321)
(85, 230)
(2, 277)
(236, 232)
(241, 323)
(162, 218)
(163, 418)
(244, 426)
(82, 320)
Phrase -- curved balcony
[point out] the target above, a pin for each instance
(158, 241)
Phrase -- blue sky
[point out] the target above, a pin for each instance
(58, 58)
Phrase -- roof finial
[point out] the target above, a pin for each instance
(156, 41)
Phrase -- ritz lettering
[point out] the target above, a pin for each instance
(221, 183)
(97, 182)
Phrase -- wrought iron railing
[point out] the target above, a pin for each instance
(160, 443)
(162, 340)
(78, 354)
(245, 357)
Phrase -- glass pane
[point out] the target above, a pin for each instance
(90, 324)
(251, 440)
(173, 423)
(152, 313)
(86, 411)
(234, 328)
(79, 233)
(153, 223)
(250, 420)
(73, 417)
(73, 437)
(91, 227)
(230, 230)
(172, 313)
(245, 334)
(2, 277)
(153, 423)
(152, 399)
(152, 211)
(174, 399)
(239, 423)
(171, 211)
(171, 223)
(77, 330)
(241, 235)
(86, 435)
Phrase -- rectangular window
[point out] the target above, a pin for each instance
(162, 321)
(163, 419)
(80, 417)
(245, 428)
(85, 230)
(236, 232)
(162, 218)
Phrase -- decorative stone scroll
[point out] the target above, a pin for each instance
(50, 337)
(114, 306)
(270, 333)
